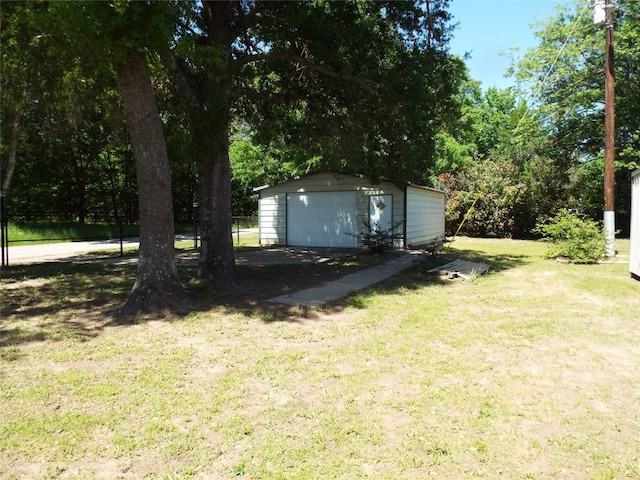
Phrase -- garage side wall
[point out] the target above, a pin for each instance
(425, 215)
(272, 218)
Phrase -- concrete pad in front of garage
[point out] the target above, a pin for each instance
(330, 291)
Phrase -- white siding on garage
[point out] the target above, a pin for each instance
(279, 226)
(321, 219)
(634, 256)
(272, 219)
(425, 215)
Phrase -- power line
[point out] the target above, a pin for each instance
(553, 64)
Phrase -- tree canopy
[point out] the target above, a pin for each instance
(530, 151)
(334, 81)
(570, 96)
(267, 90)
(250, 92)
(113, 40)
(356, 86)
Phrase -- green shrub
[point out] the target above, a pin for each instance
(573, 237)
(377, 239)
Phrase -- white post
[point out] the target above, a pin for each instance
(610, 230)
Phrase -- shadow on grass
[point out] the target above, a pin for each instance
(59, 301)
(496, 262)
(268, 283)
(56, 301)
(257, 284)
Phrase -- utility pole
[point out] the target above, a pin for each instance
(603, 13)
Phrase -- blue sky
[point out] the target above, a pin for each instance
(488, 27)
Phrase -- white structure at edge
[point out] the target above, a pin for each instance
(599, 13)
(634, 254)
(610, 231)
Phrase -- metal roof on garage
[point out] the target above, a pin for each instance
(358, 175)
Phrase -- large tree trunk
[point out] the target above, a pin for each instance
(209, 99)
(157, 286)
(217, 260)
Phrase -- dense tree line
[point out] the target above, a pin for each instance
(249, 93)
(318, 84)
(523, 154)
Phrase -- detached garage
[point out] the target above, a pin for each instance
(329, 209)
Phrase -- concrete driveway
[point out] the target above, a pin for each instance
(79, 252)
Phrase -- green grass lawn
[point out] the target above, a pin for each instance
(31, 234)
(43, 233)
(528, 372)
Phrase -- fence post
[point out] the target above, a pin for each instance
(4, 231)
(121, 231)
(195, 226)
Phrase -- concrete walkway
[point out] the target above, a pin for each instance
(314, 297)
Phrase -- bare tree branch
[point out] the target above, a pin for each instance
(268, 96)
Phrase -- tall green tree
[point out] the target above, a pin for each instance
(566, 72)
(357, 86)
(125, 36)
(504, 166)
(363, 85)
(21, 38)
(61, 124)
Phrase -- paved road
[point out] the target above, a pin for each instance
(25, 254)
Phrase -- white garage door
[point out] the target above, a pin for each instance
(321, 219)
